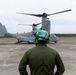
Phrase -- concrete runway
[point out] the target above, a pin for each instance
(11, 54)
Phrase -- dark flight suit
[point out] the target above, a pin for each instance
(41, 60)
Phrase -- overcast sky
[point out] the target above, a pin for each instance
(60, 23)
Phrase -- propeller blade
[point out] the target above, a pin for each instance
(45, 14)
(22, 24)
(38, 15)
(30, 24)
(59, 12)
(38, 24)
(26, 24)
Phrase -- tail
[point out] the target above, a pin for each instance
(3, 30)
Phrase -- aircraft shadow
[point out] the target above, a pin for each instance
(15, 43)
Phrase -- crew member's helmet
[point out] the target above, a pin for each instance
(42, 35)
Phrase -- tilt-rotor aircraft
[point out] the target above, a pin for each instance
(24, 37)
(21, 37)
(46, 23)
(29, 37)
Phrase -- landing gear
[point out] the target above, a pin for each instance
(55, 41)
(18, 42)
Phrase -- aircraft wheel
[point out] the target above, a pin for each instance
(55, 41)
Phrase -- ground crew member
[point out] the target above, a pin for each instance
(41, 59)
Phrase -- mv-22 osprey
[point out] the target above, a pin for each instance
(29, 37)
(46, 23)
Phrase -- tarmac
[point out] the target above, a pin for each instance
(11, 54)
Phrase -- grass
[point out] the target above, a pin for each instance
(6, 38)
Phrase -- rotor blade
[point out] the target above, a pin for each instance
(38, 24)
(26, 24)
(22, 24)
(37, 15)
(30, 24)
(59, 12)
